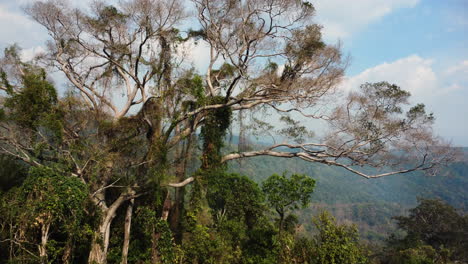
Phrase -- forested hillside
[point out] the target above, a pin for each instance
(369, 203)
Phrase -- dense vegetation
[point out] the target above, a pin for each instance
(239, 222)
(369, 204)
(131, 165)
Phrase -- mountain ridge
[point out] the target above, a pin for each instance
(370, 203)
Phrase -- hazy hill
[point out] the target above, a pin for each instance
(369, 203)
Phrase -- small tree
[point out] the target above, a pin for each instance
(335, 243)
(433, 228)
(432, 221)
(47, 206)
(285, 194)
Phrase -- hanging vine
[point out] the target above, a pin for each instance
(213, 133)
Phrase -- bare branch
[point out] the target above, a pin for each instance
(181, 184)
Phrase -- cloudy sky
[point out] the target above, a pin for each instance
(420, 45)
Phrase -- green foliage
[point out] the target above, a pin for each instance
(294, 130)
(143, 226)
(35, 106)
(203, 235)
(238, 210)
(432, 221)
(262, 246)
(434, 230)
(283, 193)
(147, 230)
(167, 249)
(196, 34)
(418, 111)
(235, 197)
(12, 173)
(4, 79)
(303, 251)
(47, 200)
(393, 94)
(203, 245)
(213, 132)
(285, 243)
(290, 223)
(107, 15)
(50, 192)
(192, 83)
(224, 72)
(417, 254)
(231, 214)
(2, 114)
(197, 88)
(369, 204)
(305, 43)
(308, 5)
(335, 243)
(271, 67)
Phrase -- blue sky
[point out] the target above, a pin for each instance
(421, 45)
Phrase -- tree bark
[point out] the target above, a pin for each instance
(128, 224)
(68, 251)
(155, 259)
(166, 206)
(100, 243)
(44, 238)
(281, 220)
(178, 208)
(176, 214)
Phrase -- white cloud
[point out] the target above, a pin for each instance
(29, 54)
(343, 18)
(8, 18)
(460, 68)
(453, 87)
(197, 54)
(18, 28)
(412, 73)
(443, 91)
(194, 54)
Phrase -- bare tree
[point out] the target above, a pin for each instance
(369, 128)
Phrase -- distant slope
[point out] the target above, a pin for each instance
(369, 203)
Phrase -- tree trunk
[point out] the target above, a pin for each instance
(68, 251)
(128, 224)
(177, 211)
(281, 220)
(166, 206)
(44, 237)
(281, 242)
(100, 243)
(179, 172)
(155, 259)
